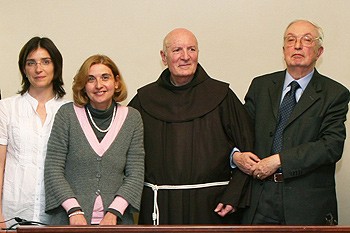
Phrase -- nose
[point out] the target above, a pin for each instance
(185, 55)
(298, 44)
(98, 83)
(38, 67)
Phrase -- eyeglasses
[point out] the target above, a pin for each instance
(305, 40)
(44, 62)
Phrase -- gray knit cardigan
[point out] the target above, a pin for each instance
(73, 169)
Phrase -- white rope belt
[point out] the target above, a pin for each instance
(155, 188)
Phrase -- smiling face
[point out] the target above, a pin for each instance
(299, 55)
(180, 54)
(101, 86)
(39, 69)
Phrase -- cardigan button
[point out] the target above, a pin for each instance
(98, 192)
(98, 175)
(99, 158)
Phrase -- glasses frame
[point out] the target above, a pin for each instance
(35, 63)
(302, 40)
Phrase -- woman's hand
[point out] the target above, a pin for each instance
(78, 219)
(2, 223)
(109, 219)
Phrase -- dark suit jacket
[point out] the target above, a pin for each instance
(313, 142)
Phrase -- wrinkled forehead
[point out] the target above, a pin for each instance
(182, 42)
(180, 38)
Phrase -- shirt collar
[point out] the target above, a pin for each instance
(34, 103)
(303, 82)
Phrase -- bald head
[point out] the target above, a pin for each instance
(180, 54)
(177, 34)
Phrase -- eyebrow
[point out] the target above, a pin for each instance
(183, 47)
(32, 59)
(91, 75)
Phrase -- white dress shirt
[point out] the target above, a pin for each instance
(21, 130)
(303, 82)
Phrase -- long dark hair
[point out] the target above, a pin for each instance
(56, 57)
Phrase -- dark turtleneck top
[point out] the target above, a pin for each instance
(102, 118)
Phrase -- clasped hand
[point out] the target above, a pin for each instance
(251, 164)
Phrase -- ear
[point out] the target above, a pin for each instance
(319, 52)
(116, 81)
(284, 55)
(162, 54)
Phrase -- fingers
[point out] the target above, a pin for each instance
(259, 174)
(223, 210)
(246, 161)
(249, 167)
(219, 207)
(266, 167)
(256, 175)
(260, 177)
(254, 157)
(2, 225)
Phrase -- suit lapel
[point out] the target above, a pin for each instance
(275, 92)
(308, 98)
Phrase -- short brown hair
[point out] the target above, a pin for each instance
(81, 78)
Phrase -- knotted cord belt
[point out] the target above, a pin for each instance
(155, 188)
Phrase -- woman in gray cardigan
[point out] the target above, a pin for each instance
(94, 167)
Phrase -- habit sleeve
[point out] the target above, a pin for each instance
(239, 129)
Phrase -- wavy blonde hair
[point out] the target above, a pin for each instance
(80, 97)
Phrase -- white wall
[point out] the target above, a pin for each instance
(238, 39)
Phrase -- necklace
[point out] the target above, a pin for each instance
(94, 124)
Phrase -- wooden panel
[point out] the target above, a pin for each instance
(182, 228)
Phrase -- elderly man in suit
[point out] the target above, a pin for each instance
(299, 118)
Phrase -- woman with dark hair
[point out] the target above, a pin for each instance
(94, 166)
(25, 124)
(54, 57)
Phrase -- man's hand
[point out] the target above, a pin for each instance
(109, 219)
(222, 209)
(267, 166)
(246, 161)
